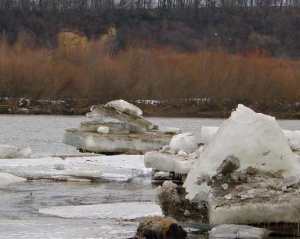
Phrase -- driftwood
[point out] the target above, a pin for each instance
(160, 228)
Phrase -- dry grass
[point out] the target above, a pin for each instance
(94, 73)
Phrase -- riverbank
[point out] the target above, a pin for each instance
(204, 108)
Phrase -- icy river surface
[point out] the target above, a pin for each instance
(25, 206)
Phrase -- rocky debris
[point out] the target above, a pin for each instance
(229, 165)
(160, 228)
(238, 231)
(171, 199)
(9, 152)
(117, 127)
(254, 139)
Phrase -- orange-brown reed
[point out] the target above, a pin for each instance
(99, 75)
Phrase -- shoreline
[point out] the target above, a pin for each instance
(193, 108)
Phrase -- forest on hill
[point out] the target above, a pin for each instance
(243, 51)
(236, 26)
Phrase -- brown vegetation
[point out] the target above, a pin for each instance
(95, 74)
(222, 52)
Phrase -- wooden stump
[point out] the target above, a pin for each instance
(160, 228)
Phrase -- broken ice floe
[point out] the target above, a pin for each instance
(101, 168)
(178, 157)
(238, 231)
(168, 162)
(254, 139)
(121, 211)
(246, 174)
(117, 127)
(7, 151)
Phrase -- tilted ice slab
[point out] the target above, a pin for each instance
(122, 105)
(255, 139)
(134, 122)
(6, 179)
(293, 137)
(122, 211)
(7, 151)
(103, 168)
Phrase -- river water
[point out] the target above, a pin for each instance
(20, 202)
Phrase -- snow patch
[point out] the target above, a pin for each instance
(121, 211)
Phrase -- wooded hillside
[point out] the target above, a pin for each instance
(100, 50)
(237, 26)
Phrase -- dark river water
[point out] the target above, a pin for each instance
(20, 202)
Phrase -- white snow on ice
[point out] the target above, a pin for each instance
(106, 168)
(121, 211)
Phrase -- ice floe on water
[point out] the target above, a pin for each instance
(98, 168)
(8, 151)
(254, 139)
(57, 228)
(118, 127)
(121, 211)
(246, 174)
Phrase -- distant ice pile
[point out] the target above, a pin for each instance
(118, 127)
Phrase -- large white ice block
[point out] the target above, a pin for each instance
(186, 142)
(293, 137)
(254, 139)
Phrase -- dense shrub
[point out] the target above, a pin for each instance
(97, 74)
